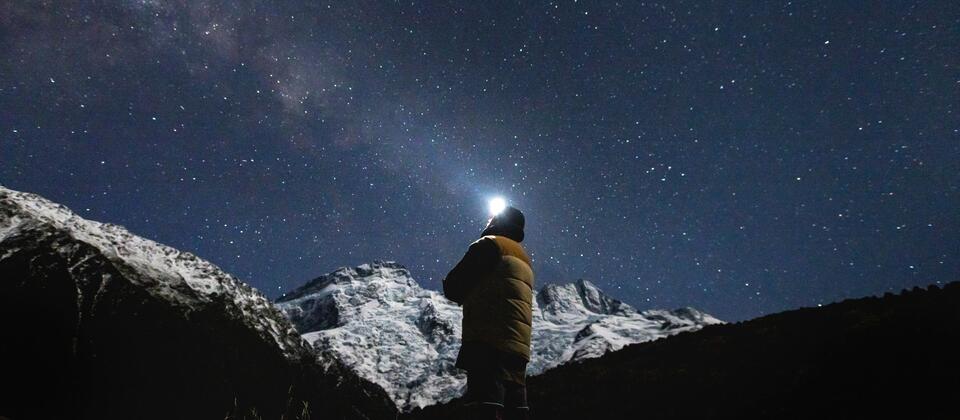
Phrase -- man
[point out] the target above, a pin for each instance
(494, 284)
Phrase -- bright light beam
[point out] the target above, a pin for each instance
(497, 205)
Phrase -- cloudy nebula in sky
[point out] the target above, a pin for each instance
(738, 157)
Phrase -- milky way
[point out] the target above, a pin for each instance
(739, 157)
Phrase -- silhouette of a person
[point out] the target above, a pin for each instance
(494, 284)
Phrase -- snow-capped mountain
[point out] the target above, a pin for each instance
(101, 323)
(179, 278)
(577, 320)
(380, 322)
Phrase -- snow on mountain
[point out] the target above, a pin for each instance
(577, 320)
(111, 325)
(180, 278)
(405, 338)
(381, 323)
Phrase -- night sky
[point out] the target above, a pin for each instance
(742, 158)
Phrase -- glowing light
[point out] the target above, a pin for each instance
(497, 205)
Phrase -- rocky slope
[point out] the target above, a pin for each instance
(100, 323)
(381, 323)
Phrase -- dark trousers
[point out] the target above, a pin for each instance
(489, 397)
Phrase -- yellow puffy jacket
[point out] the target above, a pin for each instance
(494, 283)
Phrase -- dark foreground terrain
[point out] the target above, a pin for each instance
(97, 323)
(877, 357)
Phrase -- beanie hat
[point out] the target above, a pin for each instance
(511, 216)
(508, 223)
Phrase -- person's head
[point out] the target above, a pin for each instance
(508, 223)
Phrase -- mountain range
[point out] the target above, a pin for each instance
(381, 323)
(98, 323)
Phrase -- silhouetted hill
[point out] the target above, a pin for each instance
(98, 323)
(889, 357)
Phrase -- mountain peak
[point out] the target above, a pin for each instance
(579, 297)
(376, 270)
(380, 264)
(380, 322)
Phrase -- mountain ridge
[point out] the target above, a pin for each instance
(372, 315)
(130, 328)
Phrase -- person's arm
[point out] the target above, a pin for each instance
(480, 259)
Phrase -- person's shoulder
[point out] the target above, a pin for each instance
(484, 239)
(485, 245)
(484, 242)
(507, 246)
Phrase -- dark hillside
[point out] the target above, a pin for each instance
(870, 357)
(97, 323)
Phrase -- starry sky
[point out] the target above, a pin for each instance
(742, 158)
